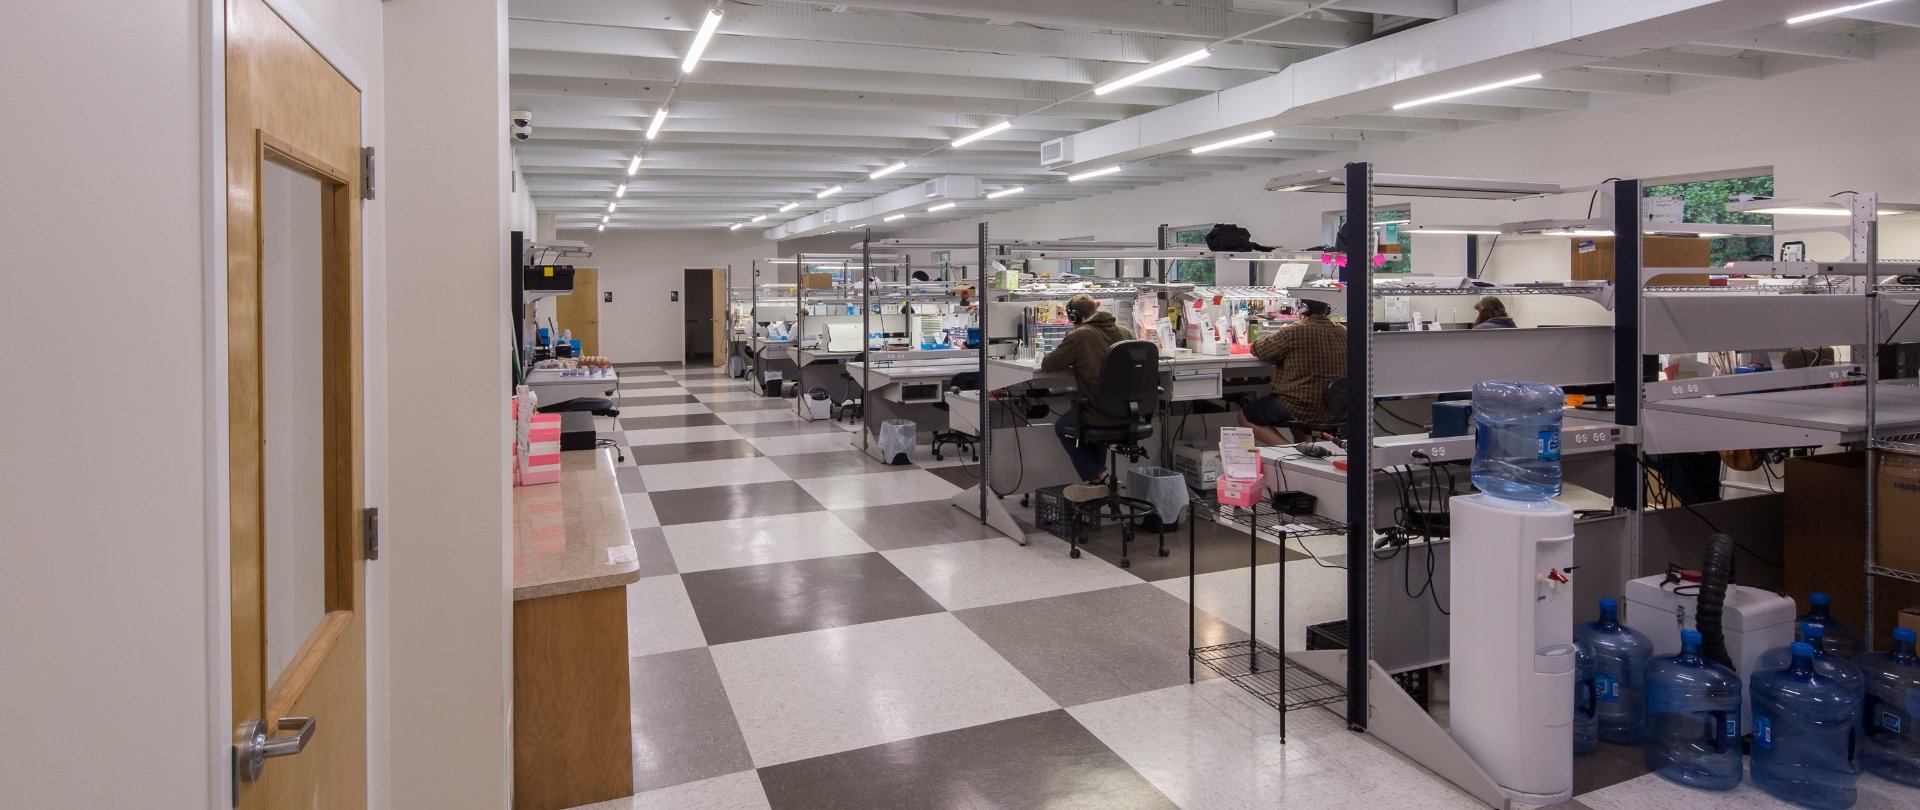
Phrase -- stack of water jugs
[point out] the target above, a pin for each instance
(1822, 708)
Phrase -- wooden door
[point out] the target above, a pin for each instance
(580, 310)
(293, 331)
(717, 318)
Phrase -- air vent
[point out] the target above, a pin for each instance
(931, 188)
(1055, 152)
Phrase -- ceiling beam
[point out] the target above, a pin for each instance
(1618, 83)
(1139, 16)
(1779, 39)
(1686, 64)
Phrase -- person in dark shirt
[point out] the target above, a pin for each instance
(1492, 314)
(1308, 356)
(1082, 352)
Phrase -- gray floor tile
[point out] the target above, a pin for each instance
(1221, 548)
(1100, 644)
(647, 384)
(695, 386)
(655, 558)
(630, 479)
(683, 724)
(692, 451)
(735, 791)
(909, 525)
(757, 601)
(706, 504)
(963, 476)
(750, 405)
(797, 427)
(831, 463)
(669, 399)
(1039, 760)
(676, 421)
(1608, 765)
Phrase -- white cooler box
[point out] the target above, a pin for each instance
(1199, 465)
(1754, 621)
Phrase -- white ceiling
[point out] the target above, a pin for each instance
(792, 98)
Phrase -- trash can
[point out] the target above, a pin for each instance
(816, 405)
(1165, 489)
(896, 441)
(736, 367)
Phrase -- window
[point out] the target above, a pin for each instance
(1705, 201)
(1192, 271)
(1396, 242)
(1083, 267)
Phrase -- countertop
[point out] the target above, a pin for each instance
(562, 532)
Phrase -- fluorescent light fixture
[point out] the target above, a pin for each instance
(736, 226)
(828, 193)
(601, 227)
(633, 167)
(620, 191)
(700, 40)
(789, 207)
(888, 170)
(1392, 222)
(1585, 232)
(1075, 178)
(892, 217)
(940, 207)
(653, 126)
(1257, 136)
(1152, 71)
(1832, 11)
(1467, 92)
(611, 207)
(606, 218)
(1805, 211)
(760, 217)
(982, 133)
(1297, 187)
(1005, 192)
(1457, 230)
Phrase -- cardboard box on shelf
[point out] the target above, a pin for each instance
(1897, 502)
(816, 281)
(1910, 618)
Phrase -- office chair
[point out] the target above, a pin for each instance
(849, 407)
(964, 442)
(1333, 399)
(1129, 392)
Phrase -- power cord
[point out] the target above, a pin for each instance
(1666, 494)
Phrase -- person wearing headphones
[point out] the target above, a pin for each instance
(1082, 352)
(1308, 356)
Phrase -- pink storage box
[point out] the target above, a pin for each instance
(533, 476)
(1237, 491)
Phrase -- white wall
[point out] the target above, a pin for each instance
(642, 268)
(447, 535)
(103, 523)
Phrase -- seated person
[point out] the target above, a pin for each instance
(1492, 314)
(1082, 351)
(1308, 356)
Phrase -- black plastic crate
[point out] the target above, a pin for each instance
(1329, 636)
(1055, 515)
(1418, 683)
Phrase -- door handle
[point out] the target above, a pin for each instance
(253, 747)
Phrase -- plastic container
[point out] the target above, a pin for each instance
(1824, 662)
(1620, 656)
(1891, 749)
(1516, 447)
(1693, 718)
(1842, 640)
(1586, 724)
(896, 441)
(1165, 489)
(1806, 730)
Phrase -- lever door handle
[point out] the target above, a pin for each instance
(252, 747)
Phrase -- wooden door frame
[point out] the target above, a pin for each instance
(719, 285)
(213, 240)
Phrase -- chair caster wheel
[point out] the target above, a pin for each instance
(1126, 563)
(1165, 552)
(937, 456)
(1023, 500)
(1074, 553)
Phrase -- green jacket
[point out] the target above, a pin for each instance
(1082, 351)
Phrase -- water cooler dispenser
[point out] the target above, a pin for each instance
(1512, 655)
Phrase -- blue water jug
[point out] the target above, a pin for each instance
(1620, 656)
(1806, 731)
(1516, 444)
(1842, 639)
(1693, 718)
(1826, 663)
(1892, 747)
(1586, 724)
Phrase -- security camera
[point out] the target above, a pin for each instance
(522, 132)
(523, 118)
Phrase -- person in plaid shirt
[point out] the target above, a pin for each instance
(1308, 355)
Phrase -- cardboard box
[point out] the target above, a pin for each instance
(1897, 503)
(1824, 539)
(816, 281)
(1910, 618)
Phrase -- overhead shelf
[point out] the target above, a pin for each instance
(1799, 418)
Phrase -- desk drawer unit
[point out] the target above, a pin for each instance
(1189, 385)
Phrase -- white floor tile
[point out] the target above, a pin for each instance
(997, 570)
(688, 475)
(640, 514)
(660, 618)
(760, 540)
(677, 409)
(1212, 746)
(809, 694)
(804, 443)
(878, 489)
(704, 433)
(1654, 792)
(759, 416)
(1314, 595)
(735, 791)
(741, 395)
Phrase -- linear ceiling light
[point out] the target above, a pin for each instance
(611, 207)
(982, 133)
(760, 217)
(888, 170)
(789, 207)
(633, 166)
(1257, 136)
(1806, 211)
(601, 227)
(1467, 92)
(606, 218)
(892, 217)
(700, 40)
(736, 226)
(1006, 192)
(653, 127)
(1458, 230)
(828, 193)
(940, 207)
(1832, 11)
(1075, 178)
(620, 191)
(1152, 71)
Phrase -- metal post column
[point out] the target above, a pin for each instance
(1628, 369)
(1359, 278)
(866, 332)
(986, 415)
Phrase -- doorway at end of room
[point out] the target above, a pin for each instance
(700, 304)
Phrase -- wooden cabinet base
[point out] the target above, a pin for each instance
(572, 719)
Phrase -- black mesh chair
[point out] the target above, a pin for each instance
(1333, 399)
(850, 406)
(1122, 417)
(964, 442)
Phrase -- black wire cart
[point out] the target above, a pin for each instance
(1253, 665)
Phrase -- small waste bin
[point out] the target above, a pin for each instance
(1165, 489)
(896, 441)
(736, 367)
(816, 405)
